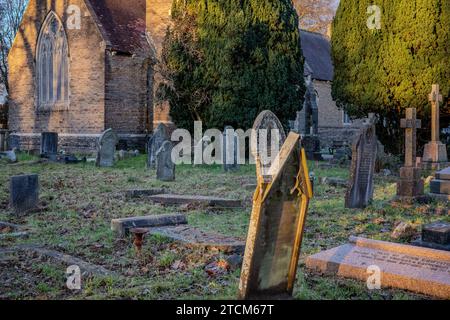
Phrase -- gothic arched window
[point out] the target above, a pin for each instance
(52, 72)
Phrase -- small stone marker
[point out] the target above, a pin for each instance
(155, 143)
(440, 186)
(280, 205)
(10, 156)
(24, 193)
(230, 150)
(435, 235)
(122, 226)
(165, 168)
(410, 184)
(195, 237)
(435, 152)
(3, 140)
(49, 145)
(406, 267)
(106, 149)
(360, 191)
(267, 137)
(172, 199)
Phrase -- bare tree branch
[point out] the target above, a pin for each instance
(11, 13)
(316, 15)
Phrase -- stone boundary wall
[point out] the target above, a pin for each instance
(77, 143)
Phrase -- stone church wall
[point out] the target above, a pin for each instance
(331, 124)
(85, 114)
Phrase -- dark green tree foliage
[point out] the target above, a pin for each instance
(388, 70)
(224, 61)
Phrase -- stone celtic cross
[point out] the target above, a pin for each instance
(435, 98)
(411, 124)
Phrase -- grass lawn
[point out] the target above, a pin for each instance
(80, 201)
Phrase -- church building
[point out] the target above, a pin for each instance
(79, 67)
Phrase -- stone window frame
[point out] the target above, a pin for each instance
(52, 79)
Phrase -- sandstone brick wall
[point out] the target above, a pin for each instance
(331, 124)
(126, 94)
(87, 81)
(158, 19)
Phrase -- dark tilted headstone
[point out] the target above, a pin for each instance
(49, 145)
(360, 191)
(154, 144)
(106, 148)
(165, 168)
(435, 235)
(230, 150)
(24, 193)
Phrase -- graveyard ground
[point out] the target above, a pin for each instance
(79, 201)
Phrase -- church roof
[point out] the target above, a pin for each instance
(122, 23)
(317, 52)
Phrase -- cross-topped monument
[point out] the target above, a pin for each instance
(410, 184)
(435, 152)
(410, 124)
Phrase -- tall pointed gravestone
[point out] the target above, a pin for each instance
(106, 148)
(280, 205)
(410, 184)
(435, 152)
(165, 167)
(155, 143)
(365, 147)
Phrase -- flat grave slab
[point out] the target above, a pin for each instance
(421, 270)
(195, 237)
(172, 199)
(138, 193)
(122, 226)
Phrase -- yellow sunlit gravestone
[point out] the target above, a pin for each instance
(280, 206)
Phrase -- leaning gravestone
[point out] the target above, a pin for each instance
(49, 145)
(421, 270)
(231, 150)
(24, 193)
(106, 149)
(165, 168)
(280, 205)
(154, 144)
(364, 156)
(267, 137)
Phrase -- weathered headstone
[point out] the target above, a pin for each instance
(410, 184)
(24, 193)
(230, 150)
(106, 149)
(440, 186)
(155, 143)
(435, 152)
(280, 205)
(267, 137)
(165, 167)
(49, 145)
(420, 270)
(435, 235)
(360, 190)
